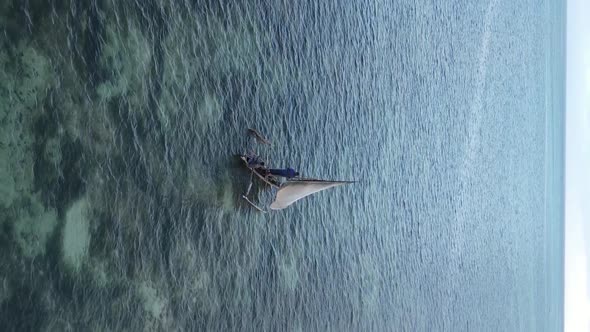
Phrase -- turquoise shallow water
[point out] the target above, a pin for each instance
(120, 199)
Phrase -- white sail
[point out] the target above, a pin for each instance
(292, 191)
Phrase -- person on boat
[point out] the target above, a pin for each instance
(284, 172)
(254, 161)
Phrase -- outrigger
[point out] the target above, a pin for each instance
(289, 190)
(258, 136)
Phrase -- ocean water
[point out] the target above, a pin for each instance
(120, 202)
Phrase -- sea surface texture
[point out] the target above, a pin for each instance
(120, 192)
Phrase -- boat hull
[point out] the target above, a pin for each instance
(269, 179)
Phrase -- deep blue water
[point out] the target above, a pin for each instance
(120, 194)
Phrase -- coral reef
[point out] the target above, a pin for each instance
(106, 114)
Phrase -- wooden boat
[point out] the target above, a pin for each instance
(290, 190)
